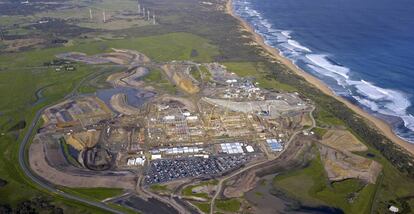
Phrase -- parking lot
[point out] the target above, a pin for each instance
(164, 170)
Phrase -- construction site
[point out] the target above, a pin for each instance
(215, 123)
(215, 114)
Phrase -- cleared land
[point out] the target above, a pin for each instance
(310, 187)
(344, 165)
(343, 140)
(179, 74)
(120, 103)
(41, 166)
(23, 74)
(82, 140)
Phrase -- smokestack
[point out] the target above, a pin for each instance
(139, 8)
(104, 16)
(90, 14)
(153, 19)
(148, 15)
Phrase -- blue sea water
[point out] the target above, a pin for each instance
(362, 49)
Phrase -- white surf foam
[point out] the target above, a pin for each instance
(322, 61)
(387, 101)
(298, 45)
(286, 33)
(384, 101)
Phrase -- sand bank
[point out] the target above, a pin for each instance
(382, 126)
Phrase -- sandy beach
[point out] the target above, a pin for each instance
(382, 126)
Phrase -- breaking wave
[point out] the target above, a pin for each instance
(382, 102)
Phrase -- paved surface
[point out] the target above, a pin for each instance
(222, 180)
(24, 165)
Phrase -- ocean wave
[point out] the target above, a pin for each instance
(298, 45)
(387, 101)
(382, 101)
(286, 33)
(322, 61)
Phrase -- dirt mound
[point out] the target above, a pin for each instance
(241, 185)
(343, 140)
(124, 56)
(344, 165)
(120, 104)
(72, 177)
(97, 159)
(179, 75)
(295, 155)
(82, 140)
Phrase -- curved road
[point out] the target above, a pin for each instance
(222, 180)
(24, 165)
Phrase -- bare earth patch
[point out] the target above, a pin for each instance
(344, 165)
(71, 177)
(343, 140)
(17, 44)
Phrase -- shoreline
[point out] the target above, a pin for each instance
(379, 124)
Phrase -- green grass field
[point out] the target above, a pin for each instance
(204, 207)
(188, 191)
(19, 81)
(311, 186)
(258, 71)
(24, 73)
(324, 118)
(320, 132)
(173, 46)
(231, 205)
(159, 188)
(187, 31)
(95, 193)
(158, 80)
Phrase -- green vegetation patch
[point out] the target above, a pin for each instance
(324, 118)
(124, 209)
(159, 188)
(230, 205)
(206, 73)
(195, 73)
(99, 81)
(153, 76)
(311, 186)
(99, 193)
(259, 71)
(320, 132)
(204, 207)
(158, 80)
(172, 46)
(188, 191)
(20, 79)
(67, 154)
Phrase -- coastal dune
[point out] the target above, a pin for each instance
(380, 125)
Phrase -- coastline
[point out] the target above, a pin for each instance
(379, 124)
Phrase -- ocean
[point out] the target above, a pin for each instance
(362, 49)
